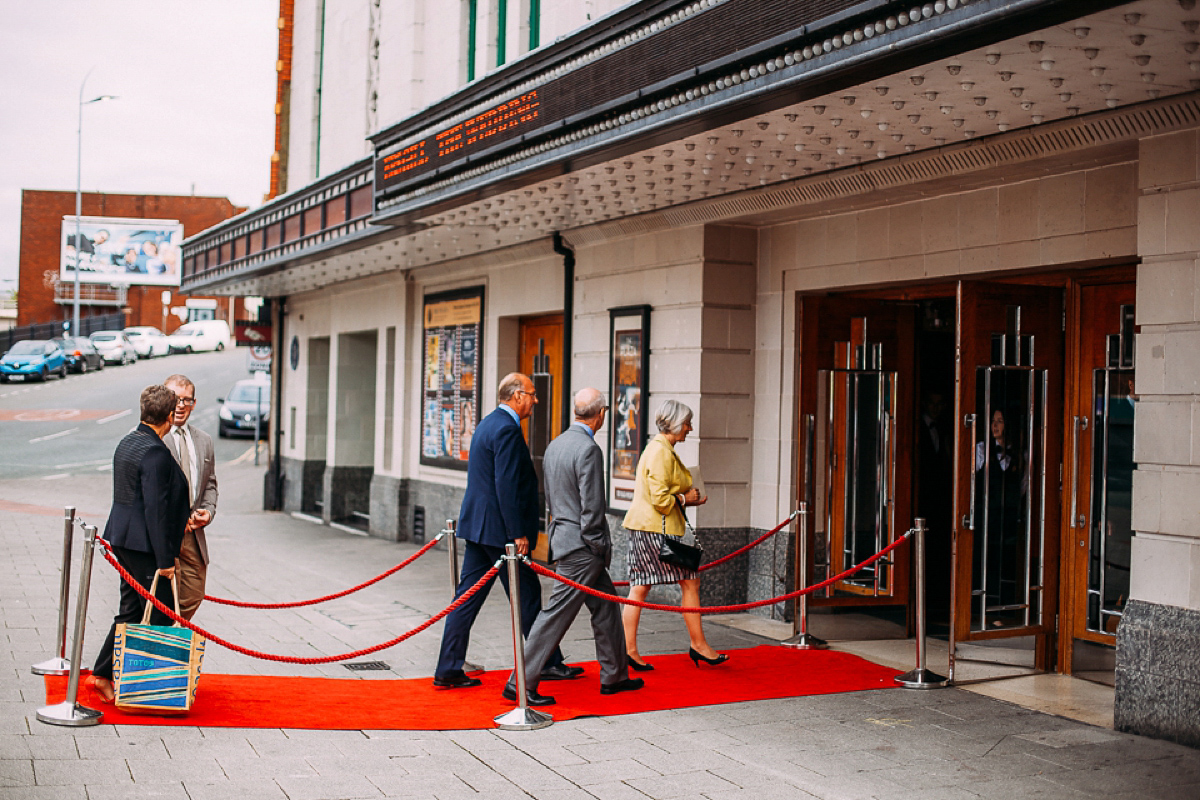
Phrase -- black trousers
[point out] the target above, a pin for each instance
(141, 566)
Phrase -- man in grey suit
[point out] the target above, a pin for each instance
(580, 543)
(193, 450)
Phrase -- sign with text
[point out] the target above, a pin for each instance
(629, 340)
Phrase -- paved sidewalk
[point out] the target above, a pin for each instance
(946, 744)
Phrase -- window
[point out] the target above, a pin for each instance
(501, 32)
(535, 23)
(472, 8)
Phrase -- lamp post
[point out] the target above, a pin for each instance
(79, 194)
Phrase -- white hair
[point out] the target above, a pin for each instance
(671, 416)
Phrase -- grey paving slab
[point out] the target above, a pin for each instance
(623, 769)
(242, 789)
(688, 784)
(46, 793)
(344, 787)
(16, 772)
(140, 791)
(70, 773)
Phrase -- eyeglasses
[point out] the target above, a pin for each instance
(185, 401)
(532, 394)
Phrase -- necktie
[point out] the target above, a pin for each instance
(185, 461)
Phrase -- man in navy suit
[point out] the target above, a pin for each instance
(500, 506)
(146, 523)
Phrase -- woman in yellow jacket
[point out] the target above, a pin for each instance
(663, 488)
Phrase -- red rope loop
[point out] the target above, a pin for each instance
(740, 550)
(487, 576)
(328, 597)
(539, 569)
(750, 546)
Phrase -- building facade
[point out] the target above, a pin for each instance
(45, 297)
(902, 260)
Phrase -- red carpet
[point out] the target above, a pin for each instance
(254, 701)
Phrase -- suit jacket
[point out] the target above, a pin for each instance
(206, 478)
(660, 476)
(574, 471)
(501, 501)
(150, 502)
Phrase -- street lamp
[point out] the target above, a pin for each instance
(79, 193)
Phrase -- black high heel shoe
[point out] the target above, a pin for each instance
(697, 658)
(638, 666)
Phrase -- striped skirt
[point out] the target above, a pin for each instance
(645, 568)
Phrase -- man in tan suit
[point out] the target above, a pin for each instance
(193, 449)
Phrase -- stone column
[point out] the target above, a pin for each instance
(1158, 672)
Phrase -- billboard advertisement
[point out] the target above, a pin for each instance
(122, 250)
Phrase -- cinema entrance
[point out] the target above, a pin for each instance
(1000, 411)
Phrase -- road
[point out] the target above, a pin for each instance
(65, 429)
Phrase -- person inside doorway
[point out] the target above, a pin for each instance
(1002, 480)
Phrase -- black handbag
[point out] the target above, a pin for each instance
(675, 552)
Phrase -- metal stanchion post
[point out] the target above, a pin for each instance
(921, 678)
(69, 712)
(452, 546)
(59, 665)
(521, 718)
(801, 639)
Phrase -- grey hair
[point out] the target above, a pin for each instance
(510, 384)
(671, 416)
(591, 409)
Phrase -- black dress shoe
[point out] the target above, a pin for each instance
(627, 685)
(561, 672)
(531, 697)
(456, 680)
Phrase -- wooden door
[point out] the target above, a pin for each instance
(856, 409)
(545, 332)
(1098, 469)
(1007, 449)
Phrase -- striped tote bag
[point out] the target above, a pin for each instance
(156, 668)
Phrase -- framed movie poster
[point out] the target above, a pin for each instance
(452, 326)
(628, 391)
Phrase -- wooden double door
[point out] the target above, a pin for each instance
(965, 404)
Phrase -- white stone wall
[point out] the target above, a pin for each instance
(700, 285)
(1166, 484)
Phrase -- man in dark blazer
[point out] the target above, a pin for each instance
(145, 525)
(189, 443)
(500, 506)
(581, 546)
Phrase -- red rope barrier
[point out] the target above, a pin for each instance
(297, 603)
(538, 568)
(487, 576)
(740, 550)
(750, 546)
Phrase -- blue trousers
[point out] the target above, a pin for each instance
(477, 560)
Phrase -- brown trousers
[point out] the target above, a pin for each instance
(190, 572)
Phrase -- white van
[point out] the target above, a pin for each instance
(200, 336)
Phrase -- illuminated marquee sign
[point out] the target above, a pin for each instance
(607, 83)
(503, 120)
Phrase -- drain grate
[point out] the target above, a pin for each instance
(360, 666)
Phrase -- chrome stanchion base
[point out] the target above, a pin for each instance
(52, 666)
(70, 714)
(805, 641)
(523, 719)
(922, 679)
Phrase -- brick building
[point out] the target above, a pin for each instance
(43, 297)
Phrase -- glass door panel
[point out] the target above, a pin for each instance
(1007, 448)
(855, 387)
(1099, 470)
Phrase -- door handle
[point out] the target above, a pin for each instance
(1078, 423)
(968, 520)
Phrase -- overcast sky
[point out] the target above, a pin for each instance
(195, 82)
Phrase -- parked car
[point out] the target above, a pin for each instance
(148, 341)
(240, 408)
(81, 354)
(200, 336)
(115, 347)
(33, 359)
